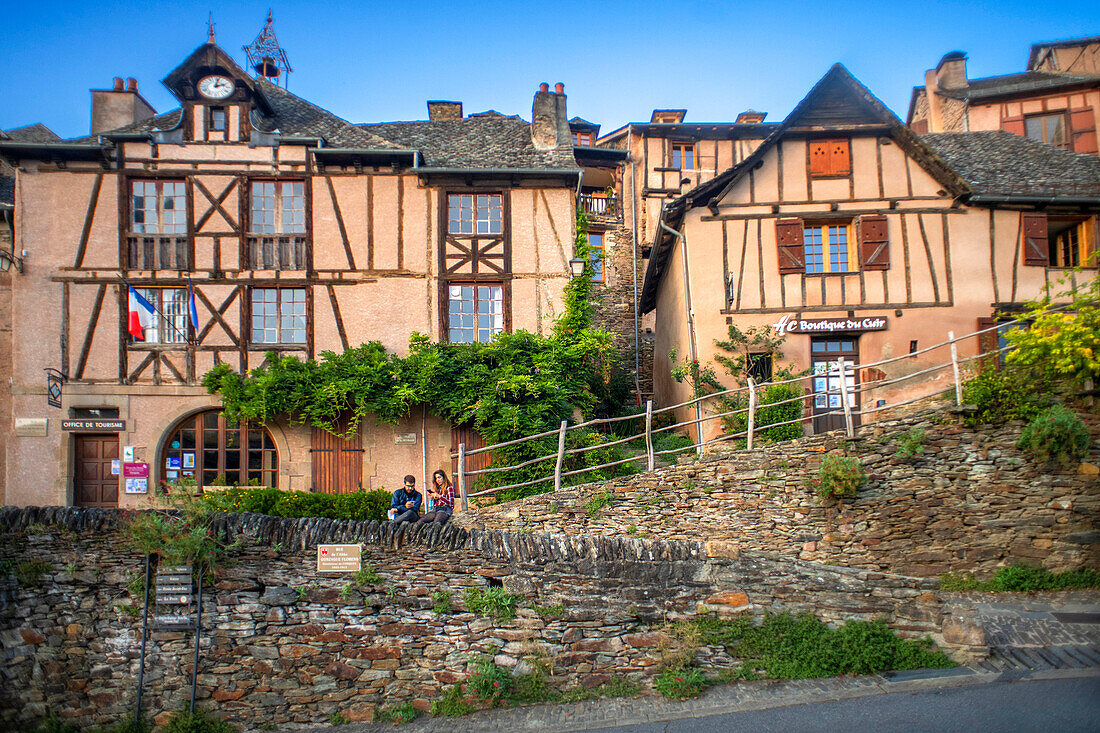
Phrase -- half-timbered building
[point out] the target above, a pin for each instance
(856, 238)
(297, 232)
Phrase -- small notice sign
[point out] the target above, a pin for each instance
(137, 486)
(111, 426)
(339, 558)
(135, 470)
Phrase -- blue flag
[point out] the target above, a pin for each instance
(192, 310)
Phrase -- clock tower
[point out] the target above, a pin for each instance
(217, 96)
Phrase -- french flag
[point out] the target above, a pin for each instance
(141, 314)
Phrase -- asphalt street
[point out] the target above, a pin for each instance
(1051, 706)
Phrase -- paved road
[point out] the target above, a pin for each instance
(1063, 706)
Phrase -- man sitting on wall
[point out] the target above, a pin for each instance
(405, 506)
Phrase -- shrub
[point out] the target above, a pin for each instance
(494, 602)
(452, 704)
(29, 572)
(839, 477)
(768, 413)
(199, 721)
(910, 443)
(358, 506)
(488, 681)
(398, 714)
(1055, 434)
(680, 684)
(1023, 578)
(441, 602)
(1006, 393)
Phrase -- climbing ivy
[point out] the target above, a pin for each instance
(516, 385)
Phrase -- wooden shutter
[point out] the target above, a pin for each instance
(920, 127)
(874, 243)
(788, 237)
(1082, 130)
(1015, 125)
(1036, 247)
(987, 343)
(829, 158)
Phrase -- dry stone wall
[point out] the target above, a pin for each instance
(970, 502)
(286, 646)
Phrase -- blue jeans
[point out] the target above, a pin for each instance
(409, 515)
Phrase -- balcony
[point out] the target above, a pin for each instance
(158, 252)
(601, 205)
(277, 251)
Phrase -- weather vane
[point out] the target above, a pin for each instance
(266, 57)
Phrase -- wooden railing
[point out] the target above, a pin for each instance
(158, 252)
(599, 204)
(277, 251)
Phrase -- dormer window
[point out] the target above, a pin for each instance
(218, 119)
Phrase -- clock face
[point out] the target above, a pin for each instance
(216, 87)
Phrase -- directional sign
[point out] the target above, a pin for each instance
(170, 600)
(171, 620)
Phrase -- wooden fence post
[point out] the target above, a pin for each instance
(842, 368)
(462, 476)
(649, 435)
(561, 454)
(955, 368)
(752, 413)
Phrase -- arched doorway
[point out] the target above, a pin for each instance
(213, 451)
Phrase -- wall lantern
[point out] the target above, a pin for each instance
(576, 266)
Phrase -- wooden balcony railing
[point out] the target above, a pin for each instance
(159, 252)
(599, 204)
(277, 251)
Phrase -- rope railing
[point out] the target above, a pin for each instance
(842, 371)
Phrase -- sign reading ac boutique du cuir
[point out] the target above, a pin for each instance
(790, 324)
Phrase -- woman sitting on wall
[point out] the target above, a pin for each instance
(441, 497)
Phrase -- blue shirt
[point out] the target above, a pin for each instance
(401, 496)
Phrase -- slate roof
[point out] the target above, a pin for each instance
(998, 163)
(476, 142)
(36, 133)
(1037, 48)
(1024, 82)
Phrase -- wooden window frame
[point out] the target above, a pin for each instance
(197, 423)
(1082, 227)
(582, 139)
(157, 250)
(681, 150)
(1067, 132)
(282, 250)
(598, 253)
(505, 297)
(851, 254)
(304, 343)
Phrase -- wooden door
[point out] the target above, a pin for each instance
(337, 461)
(824, 353)
(473, 440)
(95, 484)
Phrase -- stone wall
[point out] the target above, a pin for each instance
(288, 647)
(970, 502)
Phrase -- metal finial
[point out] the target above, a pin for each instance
(210, 29)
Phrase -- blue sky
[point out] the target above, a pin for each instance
(373, 61)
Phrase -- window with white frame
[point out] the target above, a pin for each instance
(475, 311)
(158, 207)
(168, 324)
(278, 316)
(474, 214)
(278, 207)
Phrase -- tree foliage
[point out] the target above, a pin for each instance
(1064, 342)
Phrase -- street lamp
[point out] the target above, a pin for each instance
(576, 266)
(6, 260)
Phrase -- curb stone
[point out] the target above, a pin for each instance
(740, 697)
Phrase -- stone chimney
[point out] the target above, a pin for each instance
(751, 117)
(441, 110)
(549, 122)
(119, 106)
(951, 71)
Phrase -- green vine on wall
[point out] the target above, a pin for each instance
(516, 385)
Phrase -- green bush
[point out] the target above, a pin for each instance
(452, 704)
(398, 714)
(910, 443)
(680, 684)
(1023, 578)
(359, 506)
(441, 602)
(787, 646)
(1006, 393)
(488, 681)
(839, 477)
(494, 602)
(1055, 434)
(768, 413)
(199, 721)
(29, 572)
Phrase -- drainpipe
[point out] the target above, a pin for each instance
(424, 448)
(634, 259)
(690, 324)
